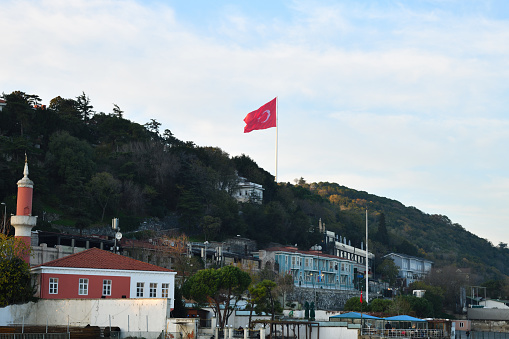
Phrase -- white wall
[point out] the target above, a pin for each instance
(494, 304)
(93, 312)
(185, 326)
(335, 332)
(153, 277)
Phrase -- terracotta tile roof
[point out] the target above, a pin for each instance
(100, 259)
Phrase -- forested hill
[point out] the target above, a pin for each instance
(91, 166)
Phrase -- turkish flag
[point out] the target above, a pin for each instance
(361, 297)
(264, 117)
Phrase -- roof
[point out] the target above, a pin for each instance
(407, 256)
(296, 250)
(354, 315)
(404, 318)
(99, 259)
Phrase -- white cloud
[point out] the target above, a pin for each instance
(391, 100)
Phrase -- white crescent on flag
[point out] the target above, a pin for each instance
(268, 116)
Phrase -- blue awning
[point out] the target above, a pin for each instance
(404, 318)
(354, 315)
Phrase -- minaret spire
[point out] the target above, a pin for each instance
(23, 221)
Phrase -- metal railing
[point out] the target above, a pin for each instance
(482, 335)
(403, 333)
(35, 335)
(142, 334)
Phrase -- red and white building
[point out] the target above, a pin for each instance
(96, 273)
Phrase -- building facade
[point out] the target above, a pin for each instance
(248, 191)
(96, 273)
(311, 269)
(410, 268)
(338, 246)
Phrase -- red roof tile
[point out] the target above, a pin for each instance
(100, 259)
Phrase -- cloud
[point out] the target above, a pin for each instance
(402, 101)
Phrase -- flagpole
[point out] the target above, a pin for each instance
(367, 272)
(277, 126)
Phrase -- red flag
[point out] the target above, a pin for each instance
(361, 297)
(264, 117)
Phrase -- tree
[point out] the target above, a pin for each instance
(84, 107)
(433, 294)
(285, 285)
(20, 106)
(218, 288)
(72, 162)
(400, 306)
(263, 299)
(450, 279)
(210, 226)
(117, 111)
(354, 304)
(382, 235)
(421, 306)
(15, 279)
(177, 248)
(153, 127)
(179, 309)
(103, 188)
(389, 271)
(380, 305)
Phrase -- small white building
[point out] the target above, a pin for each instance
(248, 191)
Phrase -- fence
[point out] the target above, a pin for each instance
(482, 335)
(405, 333)
(252, 334)
(142, 335)
(35, 335)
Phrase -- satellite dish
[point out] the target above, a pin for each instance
(118, 235)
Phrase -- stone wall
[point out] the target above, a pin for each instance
(490, 326)
(333, 300)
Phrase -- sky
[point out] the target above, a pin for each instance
(402, 99)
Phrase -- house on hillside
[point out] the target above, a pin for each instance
(337, 245)
(410, 268)
(96, 273)
(248, 191)
(311, 268)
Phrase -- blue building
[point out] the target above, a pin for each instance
(410, 268)
(313, 269)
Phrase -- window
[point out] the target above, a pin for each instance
(165, 288)
(106, 287)
(462, 324)
(139, 289)
(343, 279)
(83, 287)
(153, 290)
(53, 285)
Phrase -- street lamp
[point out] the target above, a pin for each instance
(205, 254)
(5, 215)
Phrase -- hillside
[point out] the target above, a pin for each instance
(91, 166)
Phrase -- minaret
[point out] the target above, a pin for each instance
(23, 221)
